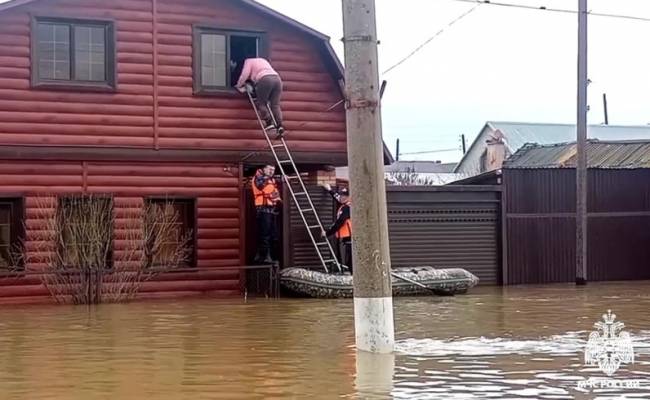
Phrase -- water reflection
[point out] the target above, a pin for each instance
(514, 343)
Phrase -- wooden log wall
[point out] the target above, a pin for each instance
(154, 105)
(215, 188)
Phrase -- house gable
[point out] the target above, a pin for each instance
(154, 104)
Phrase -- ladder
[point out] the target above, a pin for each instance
(298, 190)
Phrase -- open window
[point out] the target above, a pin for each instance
(219, 57)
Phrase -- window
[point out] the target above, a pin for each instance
(73, 52)
(86, 230)
(219, 57)
(11, 233)
(169, 231)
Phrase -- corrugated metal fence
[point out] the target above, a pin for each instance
(446, 226)
(443, 226)
(540, 242)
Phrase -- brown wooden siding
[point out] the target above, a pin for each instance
(541, 225)
(158, 108)
(215, 188)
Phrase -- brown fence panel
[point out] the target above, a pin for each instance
(540, 231)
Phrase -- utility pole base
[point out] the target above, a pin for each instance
(374, 324)
(581, 281)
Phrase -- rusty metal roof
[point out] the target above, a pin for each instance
(632, 154)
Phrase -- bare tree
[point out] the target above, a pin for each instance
(84, 262)
(408, 179)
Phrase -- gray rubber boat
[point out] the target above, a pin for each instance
(441, 281)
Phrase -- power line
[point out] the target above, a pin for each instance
(426, 42)
(550, 9)
(429, 152)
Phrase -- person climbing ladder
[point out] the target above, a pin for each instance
(268, 87)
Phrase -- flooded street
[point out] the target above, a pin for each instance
(495, 343)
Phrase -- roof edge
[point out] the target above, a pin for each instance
(471, 146)
(568, 124)
(14, 3)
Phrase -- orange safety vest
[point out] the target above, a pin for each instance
(345, 231)
(268, 196)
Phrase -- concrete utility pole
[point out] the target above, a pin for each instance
(581, 167)
(373, 301)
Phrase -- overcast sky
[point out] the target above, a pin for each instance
(497, 63)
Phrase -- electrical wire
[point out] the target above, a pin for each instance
(429, 152)
(551, 9)
(478, 3)
(426, 42)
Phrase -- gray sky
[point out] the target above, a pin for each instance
(495, 64)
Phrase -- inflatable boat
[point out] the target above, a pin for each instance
(414, 281)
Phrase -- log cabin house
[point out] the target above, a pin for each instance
(134, 99)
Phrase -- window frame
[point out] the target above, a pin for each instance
(17, 229)
(110, 57)
(193, 224)
(197, 32)
(64, 200)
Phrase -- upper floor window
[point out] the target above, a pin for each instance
(219, 57)
(73, 52)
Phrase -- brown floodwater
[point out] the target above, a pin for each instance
(493, 343)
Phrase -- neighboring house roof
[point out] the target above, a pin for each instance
(423, 178)
(420, 167)
(516, 134)
(619, 154)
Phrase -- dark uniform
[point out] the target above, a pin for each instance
(342, 227)
(267, 197)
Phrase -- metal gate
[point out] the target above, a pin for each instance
(447, 226)
(441, 226)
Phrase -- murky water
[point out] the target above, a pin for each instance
(513, 343)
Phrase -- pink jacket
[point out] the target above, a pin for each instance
(255, 69)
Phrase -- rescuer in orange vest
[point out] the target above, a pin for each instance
(267, 198)
(342, 227)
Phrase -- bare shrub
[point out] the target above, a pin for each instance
(84, 262)
(408, 179)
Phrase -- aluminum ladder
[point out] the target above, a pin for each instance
(299, 192)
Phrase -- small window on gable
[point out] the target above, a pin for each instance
(11, 233)
(67, 52)
(219, 57)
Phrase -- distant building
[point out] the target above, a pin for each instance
(426, 167)
(420, 173)
(498, 140)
